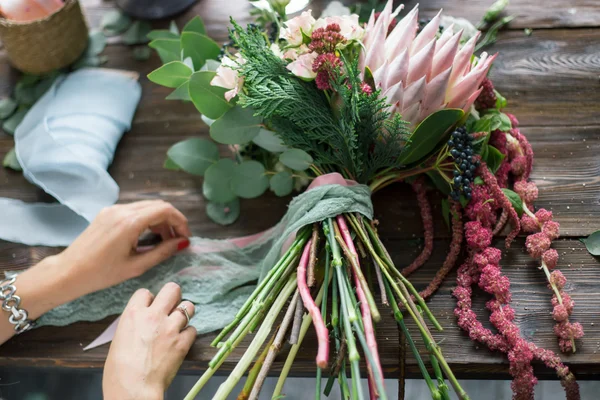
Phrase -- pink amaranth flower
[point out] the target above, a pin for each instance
(325, 40)
(487, 97)
(518, 165)
(537, 244)
(543, 215)
(567, 330)
(551, 229)
(513, 120)
(558, 279)
(323, 65)
(493, 255)
(525, 148)
(567, 301)
(560, 313)
(527, 190)
(498, 140)
(366, 88)
(529, 225)
(550, 258)
(477, 236)
(502, 173)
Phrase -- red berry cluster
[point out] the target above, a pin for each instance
(325, 40)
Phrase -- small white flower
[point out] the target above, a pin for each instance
(335, 8)
(228, 77)
(468, 28)
(349, 25)
(277, 50)
(295, 27)
(302, 67)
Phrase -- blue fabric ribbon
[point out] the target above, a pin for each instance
(64, 145)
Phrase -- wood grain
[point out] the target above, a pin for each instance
(551, 80)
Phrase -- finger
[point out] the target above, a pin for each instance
(164, 230)
(168, 297)
(178, 317)
(138, 205)
(163, 213)
(141, 298)
(142, 262)
(187, 338)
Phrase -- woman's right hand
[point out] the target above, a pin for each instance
(149, 346)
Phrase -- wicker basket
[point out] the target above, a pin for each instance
(38, 47)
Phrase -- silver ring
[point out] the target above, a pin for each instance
(184, 310)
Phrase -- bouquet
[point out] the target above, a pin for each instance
(353, 107)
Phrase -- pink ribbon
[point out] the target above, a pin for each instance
(240, 242)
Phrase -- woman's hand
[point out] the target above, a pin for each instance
(149, 346)
(105, 253)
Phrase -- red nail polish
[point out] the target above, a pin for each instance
(184, 244)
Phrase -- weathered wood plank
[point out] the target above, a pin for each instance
(62, 346)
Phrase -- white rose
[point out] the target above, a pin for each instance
(302, 67)
(277, 50)
(335, 8)
(294, 52)
(295, 27)
(227, 76)
(350, 28)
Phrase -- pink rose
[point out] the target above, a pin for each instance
(303, 66)
(296, 27)
(349, 25)
(228, 77)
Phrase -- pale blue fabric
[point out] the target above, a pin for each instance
(64, 145)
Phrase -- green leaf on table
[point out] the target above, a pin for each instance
(173, 74)
(168, 49)
(141, 53)
(173, 28)
(237, 126)
(7, 107)
(269, 141)
(282, 183)
(11, 161)
(162, 34)
(493, 158)
(137, 33)
(446, 212)
(296, 159)
(115, 22)
(96, 43)
(429, 134)
(223, 213)
(181, 93)
(208, 99)
(11, 124)
(515, 200)
(90, 61)
(199, 47)
(249, 179)
(194, 155)
(217, 181)
(170, 165)
(592, 243)
(195, 25)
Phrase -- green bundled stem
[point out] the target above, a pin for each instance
(253, 374)
(323, 312)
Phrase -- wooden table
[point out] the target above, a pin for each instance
(552, 81)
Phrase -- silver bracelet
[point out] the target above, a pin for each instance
(11, 302)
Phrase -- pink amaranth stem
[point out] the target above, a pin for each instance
(427, 218)
(364, 306)
(526, 148)
(313, 310)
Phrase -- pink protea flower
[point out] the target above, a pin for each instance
(550, 258)
(477, 236)
(551, 229)
(421, 74)
(537, 244)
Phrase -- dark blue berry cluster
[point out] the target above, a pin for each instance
(461, 149)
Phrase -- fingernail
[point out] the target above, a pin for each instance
(184, 244)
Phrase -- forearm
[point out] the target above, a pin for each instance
(41, 288)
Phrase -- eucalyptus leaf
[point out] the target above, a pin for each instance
(11, 161)
(249, 179)
(168, 49)
(194, 155)
(592, 243)
(296, 159)
(493, 158)
(137, 33)
(282, 183)
(199, 47)
(173, 74)
(429, 134)
(96, 43)
(7, 107)
(161, 34)
(195, 25)
(237, 126)
(223, 213)
(115, 22)
(515, 200)
(207, 120)
(24, 93)
(189, 62)
(141, 53)
(269, 141)
(11, 124)
(210, 65)
(446, 212)
(208, 99)
(170, 165)
(181, 93)
(90, 61)
(217, 178)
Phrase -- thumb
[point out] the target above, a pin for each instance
(148, 259)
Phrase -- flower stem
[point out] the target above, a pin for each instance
(323, 313)
(254, 372)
